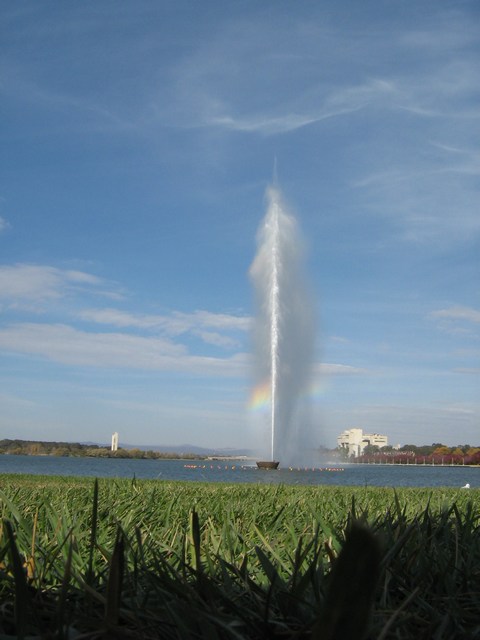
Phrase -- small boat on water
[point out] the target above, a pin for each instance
(267, 464)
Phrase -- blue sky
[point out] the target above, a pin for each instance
(137, 142)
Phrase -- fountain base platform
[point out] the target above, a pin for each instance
(267, 464)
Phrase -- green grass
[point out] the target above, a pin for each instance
(157, 559)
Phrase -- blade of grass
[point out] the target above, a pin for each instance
(22, 599)
(62, 600)
(115, 581)
(93, 533)
(195, 540)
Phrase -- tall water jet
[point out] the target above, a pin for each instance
(283, 331)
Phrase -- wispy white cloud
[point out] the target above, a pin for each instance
(339, 339)
(462, 323)
(216, 320)
(199, 323)
(31, 282)
(69, 346)
(217, 339)
(458, 313)
(122, 319)
(442, 37)
(4, 224)
(330, 369)
(430, 197)
(445, 92)
(174, 324)
(282, 119)
(269, 124)
(453, 160)
(36, 284)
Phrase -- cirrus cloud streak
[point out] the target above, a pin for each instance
(69, 346)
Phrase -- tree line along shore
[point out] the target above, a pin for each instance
(435, 454)
(75, 449)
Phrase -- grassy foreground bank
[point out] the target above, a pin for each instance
(156, 559)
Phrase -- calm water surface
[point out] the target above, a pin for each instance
(206, 471)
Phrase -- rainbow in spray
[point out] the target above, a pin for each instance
(261, 397)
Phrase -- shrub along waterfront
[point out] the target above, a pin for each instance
(435, 454)
(156, 559)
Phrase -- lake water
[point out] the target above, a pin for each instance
(231, 471)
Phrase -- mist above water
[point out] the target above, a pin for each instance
(283, 334)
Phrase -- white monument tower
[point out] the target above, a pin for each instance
(114, 441)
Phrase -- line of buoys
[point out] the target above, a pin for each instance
(334, 469)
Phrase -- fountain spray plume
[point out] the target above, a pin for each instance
(283, 330)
